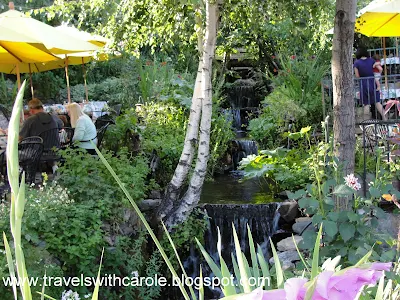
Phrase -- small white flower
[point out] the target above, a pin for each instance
(70, 295)
(135, 273)
(352, 182)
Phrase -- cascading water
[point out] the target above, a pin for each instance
(242, 94)
(262, 220)
(248, 146)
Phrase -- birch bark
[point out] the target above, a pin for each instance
(192, 195)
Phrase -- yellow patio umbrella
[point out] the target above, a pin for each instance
(85, 36)
(79, 58)
(56, 41)
(26, 40)
(381, 18)
(84, 57)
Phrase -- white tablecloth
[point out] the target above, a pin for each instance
(391, 60)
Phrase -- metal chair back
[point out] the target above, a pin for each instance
(29, 152)
(100, 134)
(51, 143)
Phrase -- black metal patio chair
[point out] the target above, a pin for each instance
(103, 120)
(51, 145)
(100, 134)
(29, 152)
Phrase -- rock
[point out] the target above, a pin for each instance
(279, 236)
(106, 227)
(109, 240)
(283, 195)
(300, 227)
(287, 259)
(303, 219)
(155, 194)
(288, 244)
(289, 210)
(149, 204)
(126, 229)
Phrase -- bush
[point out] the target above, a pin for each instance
(86, 177)
(163, 134)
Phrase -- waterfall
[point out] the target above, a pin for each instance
(242, 94)
(262, 220)
(248, 146)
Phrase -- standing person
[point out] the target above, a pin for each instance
(363, 68)
(377, 71)
(85, 131)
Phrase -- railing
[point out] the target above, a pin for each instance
(394, 51)
(369, 103)
(376, 116)
(376, 135)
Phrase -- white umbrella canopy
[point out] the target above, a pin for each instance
(56, 41)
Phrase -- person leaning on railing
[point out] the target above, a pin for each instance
(369, 94)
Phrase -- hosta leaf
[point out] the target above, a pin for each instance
(330, 228)
(347, 231)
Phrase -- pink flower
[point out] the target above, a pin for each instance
(330, 285)
(352, 182)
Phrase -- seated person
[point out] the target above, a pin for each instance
(39, 122)
(85, 131)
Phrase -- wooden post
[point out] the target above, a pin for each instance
(19, 87)
(84, 80)
(30, 79)
(67, 78)
(384, 59)
(18, 75)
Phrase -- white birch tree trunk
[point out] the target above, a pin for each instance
(192, 195)
(343, 87)
(174, 187)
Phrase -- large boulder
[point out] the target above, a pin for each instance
(289, 210)
(288, 244)
(300, 227)
(286, 259)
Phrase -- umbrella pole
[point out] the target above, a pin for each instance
(384, 59)
(18, 76)
(19, 87)
(84, 80)
(67, 78)
(397, 47)
(30, 79)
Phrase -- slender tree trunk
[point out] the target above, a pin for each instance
(173, 190)
(192, 195)
(343, 91)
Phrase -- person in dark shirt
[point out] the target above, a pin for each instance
(363, 69)
(38, 122)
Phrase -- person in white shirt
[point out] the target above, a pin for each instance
(85, 135)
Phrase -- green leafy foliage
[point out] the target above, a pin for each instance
(163, 133)
(284, 168)
(87, 178)
(124, 133)
(350, 233)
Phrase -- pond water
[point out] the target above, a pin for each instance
(228, 189)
